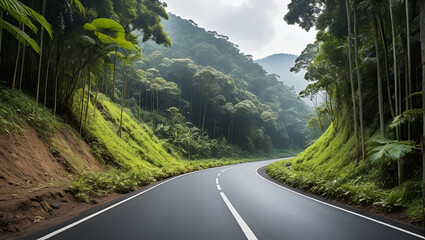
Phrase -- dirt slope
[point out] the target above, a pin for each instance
(33, 179)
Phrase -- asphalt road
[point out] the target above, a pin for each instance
(232, 202)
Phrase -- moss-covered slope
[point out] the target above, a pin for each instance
(328, 168)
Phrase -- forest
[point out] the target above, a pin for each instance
(154, 95)
(151, 93)
(366, 65)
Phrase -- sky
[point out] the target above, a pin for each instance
(256, 26)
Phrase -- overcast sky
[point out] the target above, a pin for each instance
(257, 26)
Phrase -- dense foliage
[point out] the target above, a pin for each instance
(81, 60)
(201, 96)
(220, 90)
(366, 60)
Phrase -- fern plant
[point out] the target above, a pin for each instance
(390, 149)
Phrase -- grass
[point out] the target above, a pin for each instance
(328, 168)
(136, 159)
(18, 110)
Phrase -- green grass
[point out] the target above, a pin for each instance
(328, 168)
(18, 110)
(136, 159)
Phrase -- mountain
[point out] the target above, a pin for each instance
(281, 64)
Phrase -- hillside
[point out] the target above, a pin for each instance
(49, 173)
(373, 152)
(246, 106)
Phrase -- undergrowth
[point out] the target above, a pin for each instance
(137, 157)
(328, 168)
(18, 110)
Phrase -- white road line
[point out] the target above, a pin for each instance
(219, 174)
(245, 228)
(345, 210)
(218, 187)
(110, 207)
(216, 181)
(226, 169)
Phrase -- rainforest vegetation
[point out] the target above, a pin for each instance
(153, 94)
(366, 64)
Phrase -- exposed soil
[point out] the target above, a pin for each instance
(33, 181)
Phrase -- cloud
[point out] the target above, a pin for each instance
(257, 26)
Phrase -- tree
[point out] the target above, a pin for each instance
(359, 82)
(128, 57)
(379, 79)
(422, 32)
(354, 109)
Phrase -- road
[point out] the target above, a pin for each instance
(231, 202)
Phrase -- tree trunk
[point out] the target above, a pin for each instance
(43, 10)
(379, 79)
(16, 67)
(22, 62)
(58, 62)
(409, 64)
(347, 5)
(359, 82)
(113, 77)
(140, 98)
(387, 75)
(47, 76)
(204, 115)
(122, 101)
(422, 32)
(395, 68)
(95, 98)
(88, 99)
(82, 103)
(56, 88)
(1, 31)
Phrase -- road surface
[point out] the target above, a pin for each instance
(231, 202)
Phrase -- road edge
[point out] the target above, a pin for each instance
(261, 171)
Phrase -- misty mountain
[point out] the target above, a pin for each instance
(280, 64)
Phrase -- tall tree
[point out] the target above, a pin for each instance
(350, 64)
(409, 63)
(422, 31)
(395, 65)
(43, 13)
(359, 82)
(379, 79)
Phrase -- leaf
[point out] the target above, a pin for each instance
(109, 31)
(20, 35)
(410, 115)
(86, 40)
(79, 6)
(378, 138)
(414, 94)
(108, 27)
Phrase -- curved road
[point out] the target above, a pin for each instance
(231, 202)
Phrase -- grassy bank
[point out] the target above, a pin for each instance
(328, 168)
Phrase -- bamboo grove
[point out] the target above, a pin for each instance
(367, 59)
